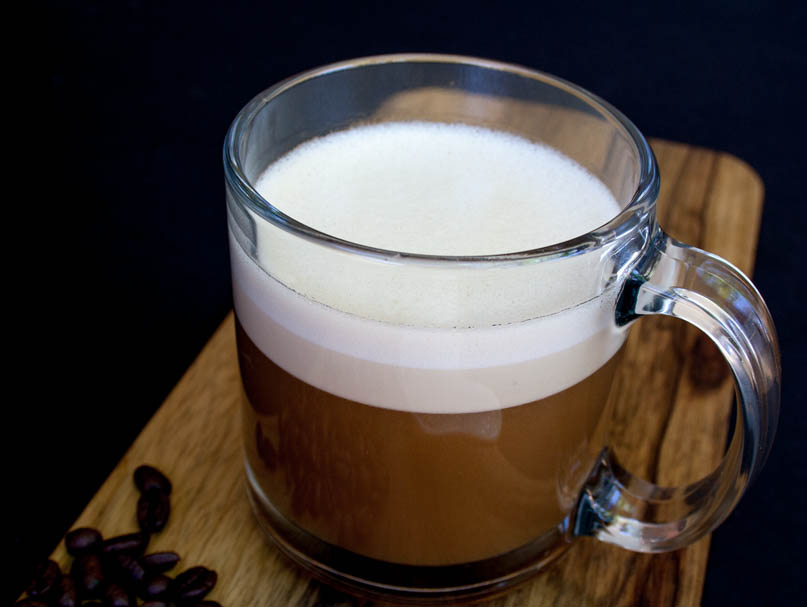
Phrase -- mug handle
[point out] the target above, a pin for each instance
(677, 280)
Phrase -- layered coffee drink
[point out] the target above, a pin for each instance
(407, 410)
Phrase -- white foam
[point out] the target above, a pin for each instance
(423, 337)
(440, 189)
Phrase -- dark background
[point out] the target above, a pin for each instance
(125, 260)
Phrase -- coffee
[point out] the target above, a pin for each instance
(417, 416)
(416, 488)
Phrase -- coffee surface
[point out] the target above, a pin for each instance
(439, 189)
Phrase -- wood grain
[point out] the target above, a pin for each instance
(669, 425)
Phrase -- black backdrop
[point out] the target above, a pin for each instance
(126, 268)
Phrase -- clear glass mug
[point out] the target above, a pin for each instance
(428, 453)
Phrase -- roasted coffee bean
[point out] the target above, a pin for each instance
(147, 478)
(66, 593)
(126, 570)
(88, 574)
(29, 602)
(46, 575)
(155, 587)
(82, 540)
(153, 509)
(191, 586)
(117, 596)
(159, 562)
(133, 544)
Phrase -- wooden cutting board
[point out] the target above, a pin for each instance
(669, 426)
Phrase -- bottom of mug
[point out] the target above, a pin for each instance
(400, 583)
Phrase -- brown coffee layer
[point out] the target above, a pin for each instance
(415, 488)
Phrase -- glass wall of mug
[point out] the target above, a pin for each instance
(420, 426)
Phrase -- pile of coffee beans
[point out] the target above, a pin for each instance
(116, 572)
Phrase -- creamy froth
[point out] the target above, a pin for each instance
(439, 189)
(414, 337)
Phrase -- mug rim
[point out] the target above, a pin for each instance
(626, 221)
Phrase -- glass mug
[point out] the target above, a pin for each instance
(430, 428)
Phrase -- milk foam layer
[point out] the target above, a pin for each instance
(371, 338)
(437, 189)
